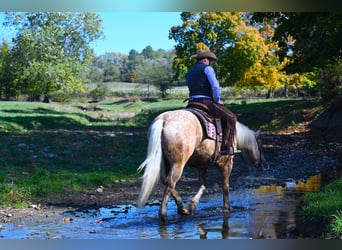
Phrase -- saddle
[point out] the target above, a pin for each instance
(211, 126)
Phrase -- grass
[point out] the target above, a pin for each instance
(336, 225)
(322, 211)
(50, 148)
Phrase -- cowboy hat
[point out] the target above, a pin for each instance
(204, 54)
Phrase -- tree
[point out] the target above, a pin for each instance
(51, 50)
(158, 72)
(134, 59)
(148, 52)
(6, 88)
(313, 42)
(111, 66)
(96, 74)
(111, 73)
(246, 52)
(312, 39)
(331, 80)
(162, 78)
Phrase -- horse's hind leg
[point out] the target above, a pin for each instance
(180, 206)
(170, 189)
(163, 206)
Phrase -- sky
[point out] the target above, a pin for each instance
(124, 31)
(136, 30)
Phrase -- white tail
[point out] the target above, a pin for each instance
(152, 163)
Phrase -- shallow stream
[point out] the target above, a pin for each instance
(263, 212)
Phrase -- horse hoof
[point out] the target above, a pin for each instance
(192, 207)
(183, 211)
(227, 210)
(163, 220)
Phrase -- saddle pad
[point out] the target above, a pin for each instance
(207, 123)
(210, 130)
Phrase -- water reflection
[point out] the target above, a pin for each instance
(224, 230)
(267, 211)
(312, 184)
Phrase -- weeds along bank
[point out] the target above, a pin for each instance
(320, 214)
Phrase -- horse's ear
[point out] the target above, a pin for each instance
(257, 133)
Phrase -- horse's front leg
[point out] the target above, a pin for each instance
(202, 176)
(226, 167)
(194, 201)
(192, 204)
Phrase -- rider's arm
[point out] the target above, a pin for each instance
(215, 86)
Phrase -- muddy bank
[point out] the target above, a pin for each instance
(290, 156)
(330, 120)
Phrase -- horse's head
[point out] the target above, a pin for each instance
(253, 153)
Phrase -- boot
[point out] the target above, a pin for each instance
(230, 151)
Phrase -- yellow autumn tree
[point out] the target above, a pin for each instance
(262, 67)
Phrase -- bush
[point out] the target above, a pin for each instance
(331, 80)
(99, 93)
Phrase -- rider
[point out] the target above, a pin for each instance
(205, 89)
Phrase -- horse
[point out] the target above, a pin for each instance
(176, 139)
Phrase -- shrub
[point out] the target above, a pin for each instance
(99, 93)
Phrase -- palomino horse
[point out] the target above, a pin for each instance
(175, 139)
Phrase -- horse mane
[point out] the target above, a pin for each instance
(245, 137)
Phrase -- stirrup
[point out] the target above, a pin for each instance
(236, 151)
(225, 151)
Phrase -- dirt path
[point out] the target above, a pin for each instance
(290, 155)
